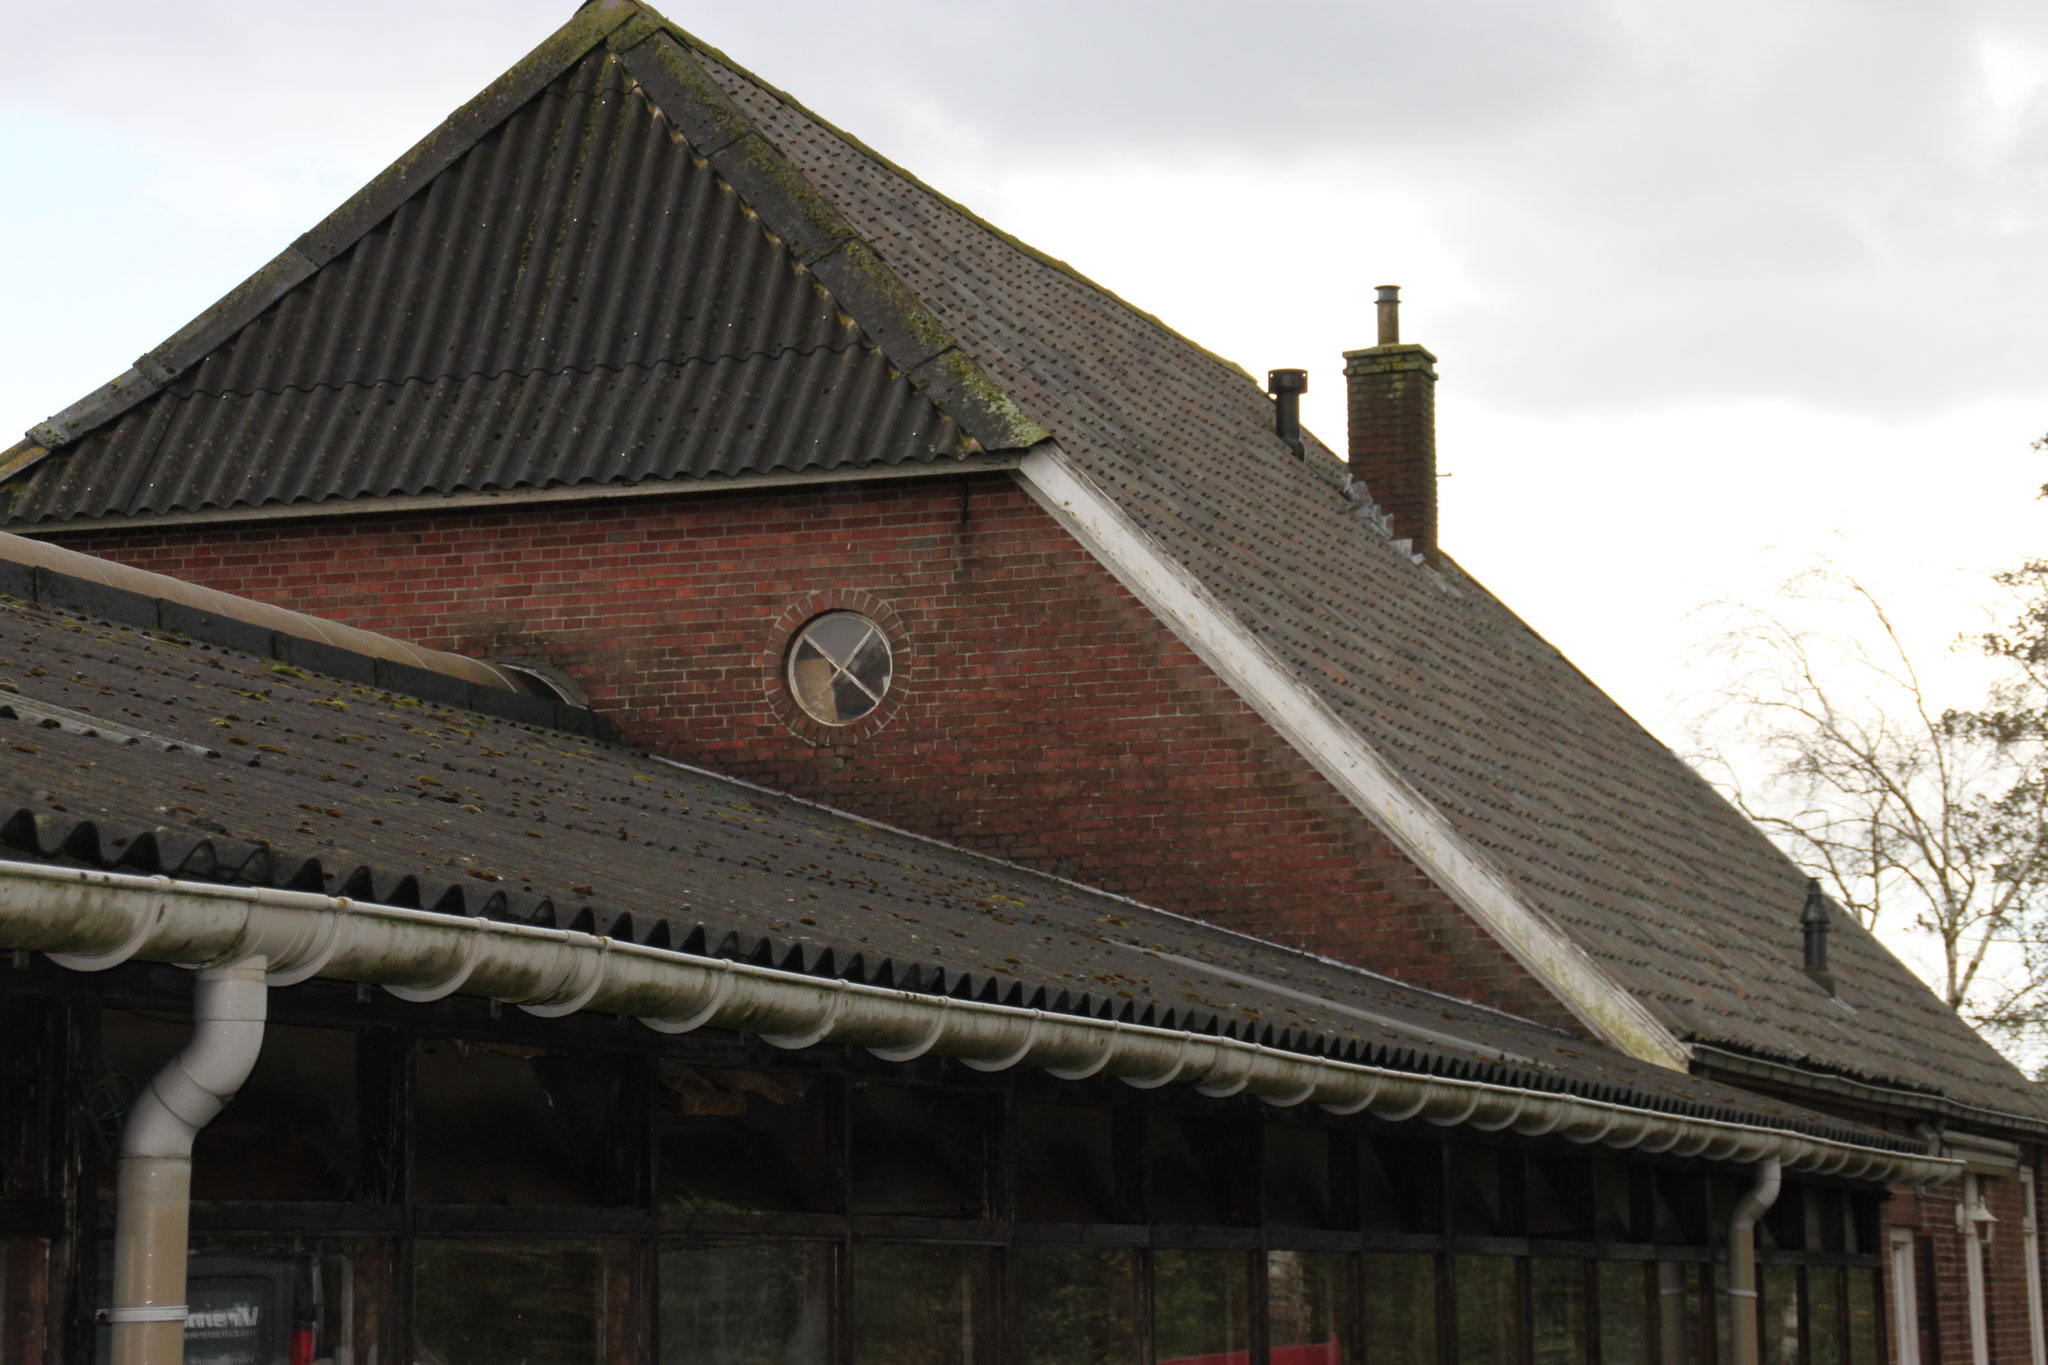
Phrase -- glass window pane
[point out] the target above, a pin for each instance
(536, 1302)
(870, 665)
(290, 1132)
(1557, 1311)
(1489, 1314)
(1200, 1304)
(505, 1126)
(1824, 1314)
(1066, 1165)
(246, 1296)
(810, 677)
(1399, 1186)
(1614, 1204)
(923, 1305)
(1400, 1308)
(1778, 1286)
(1678, 1208)
(1477, 1206)
(760, 1303)
(1864, 1329)
(848, 700)
(1080, 1305)
(1556, 1198)
(1299, 1193)
(1308, 1307)
(838, 633)
(753, 1140)
(1202, 1170)
(1624, 1311)
(920, 1152)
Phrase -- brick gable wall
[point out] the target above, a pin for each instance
(1040, 712)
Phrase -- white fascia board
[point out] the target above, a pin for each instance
(1340, 754)
(394, 503)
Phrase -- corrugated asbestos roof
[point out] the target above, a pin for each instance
(575, 300)
(206, 763)
(1597, 824)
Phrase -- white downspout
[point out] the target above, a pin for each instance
(153, 1199)
(1742, 1318)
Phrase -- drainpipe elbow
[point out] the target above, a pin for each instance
(1758, 1198)
(229, 1005)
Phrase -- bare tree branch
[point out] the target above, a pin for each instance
(1908, 812)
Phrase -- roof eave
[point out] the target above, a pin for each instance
(1728, 1064)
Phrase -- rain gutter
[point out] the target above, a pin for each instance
(1738, 1066)
(89, 920)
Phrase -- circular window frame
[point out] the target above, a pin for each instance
(782, 640)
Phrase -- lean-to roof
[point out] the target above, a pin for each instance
(624, 131)
(152, 752)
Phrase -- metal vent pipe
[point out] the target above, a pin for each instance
(1287, 387)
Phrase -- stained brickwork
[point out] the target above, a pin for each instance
(1039, 711)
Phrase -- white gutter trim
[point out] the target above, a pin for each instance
(91, 920)
(1339, 753)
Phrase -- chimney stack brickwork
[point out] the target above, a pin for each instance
(1392, 400)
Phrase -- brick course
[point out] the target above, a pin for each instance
(1041, 712)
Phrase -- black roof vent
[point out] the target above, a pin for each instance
(1287, 387)
(1813, 924)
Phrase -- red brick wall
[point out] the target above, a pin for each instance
(1930, 1214)
(1045, 715)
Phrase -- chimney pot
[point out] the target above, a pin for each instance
(1390, 314)
(1391, 392)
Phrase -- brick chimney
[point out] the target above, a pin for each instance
(1393, 427)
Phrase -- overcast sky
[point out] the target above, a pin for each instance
(1713, 287)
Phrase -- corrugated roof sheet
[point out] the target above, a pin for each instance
(575, 300)
(288, 778)
(1598, 824)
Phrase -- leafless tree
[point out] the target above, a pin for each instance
(1910, 813)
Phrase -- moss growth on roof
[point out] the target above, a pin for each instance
(689, 39)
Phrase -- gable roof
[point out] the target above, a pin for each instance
(1604, 841)
(215, 765)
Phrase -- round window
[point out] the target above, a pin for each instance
(839, 667)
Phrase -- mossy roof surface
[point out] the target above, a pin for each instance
(351, 386)
(205, 763)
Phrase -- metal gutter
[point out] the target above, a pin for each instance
(1720, 1061)
(90, 920)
